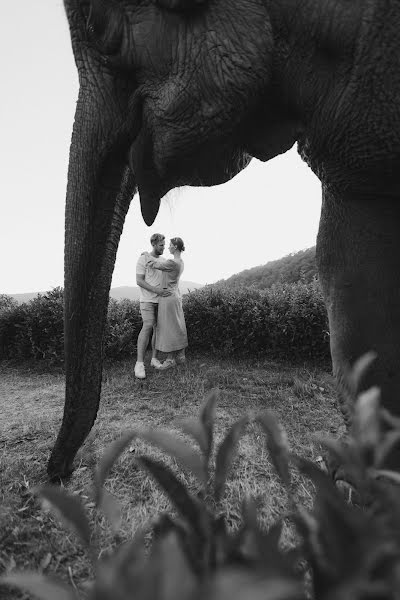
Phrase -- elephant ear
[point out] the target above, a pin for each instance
(180, 5)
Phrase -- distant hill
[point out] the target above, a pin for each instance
(130, 292)
(20, 298)
(290, 268)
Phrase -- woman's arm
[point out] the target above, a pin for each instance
(168, 265)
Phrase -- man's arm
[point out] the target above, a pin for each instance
(151, 288)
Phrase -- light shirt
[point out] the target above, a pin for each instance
(152, 276)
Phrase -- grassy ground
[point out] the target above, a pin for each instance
(31, 402)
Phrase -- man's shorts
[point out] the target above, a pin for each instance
(149, 312)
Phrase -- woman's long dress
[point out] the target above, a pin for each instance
(171, 326)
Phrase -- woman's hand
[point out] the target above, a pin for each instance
(150, 260)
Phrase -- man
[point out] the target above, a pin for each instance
(149, 281)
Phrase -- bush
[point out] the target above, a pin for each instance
(45, 326)
(349, 543)
(287, 321)
(123, 325)
(14, 342)
(7, 303)
(34, 329)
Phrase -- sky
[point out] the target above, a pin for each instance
(267, 211)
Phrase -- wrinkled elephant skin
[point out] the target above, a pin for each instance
(185, 92)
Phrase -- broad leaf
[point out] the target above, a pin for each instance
(225, 455)
(131, 552)
(192, 545)
(390, 419)
(237, 584)
(248, 540)
(207, 417)
(194, 428)
(274, 533)
(188, 507)
(349, 382)
(266, 549)
(308, 528)
(390, 440)
(175, 577)
(249, 512)
(338, 451)
(70, 508)
(274, 560)
(277, 445)
(107, 461)
(116, 578)
(221, 542)
(366, 419)
(321, 480)
(359, 370)
(109, 505)
(342, 528)
(346, 461)
(391, 475)
(188, 458)
(40, 586)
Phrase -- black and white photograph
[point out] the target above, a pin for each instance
(200, 300)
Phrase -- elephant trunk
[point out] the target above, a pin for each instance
(100, 187)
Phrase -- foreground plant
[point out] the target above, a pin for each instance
(351, 549)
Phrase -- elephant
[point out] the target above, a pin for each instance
(187, 92)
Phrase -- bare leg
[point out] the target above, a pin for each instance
(153, 342)
(143, 341)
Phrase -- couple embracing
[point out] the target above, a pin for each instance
(161, 305)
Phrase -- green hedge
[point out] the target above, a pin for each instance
(34, 329)
(287, 321)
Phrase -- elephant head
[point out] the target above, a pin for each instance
(186, 92)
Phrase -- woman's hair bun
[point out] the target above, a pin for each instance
(178, 242)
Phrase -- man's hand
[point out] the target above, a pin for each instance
(163, 292)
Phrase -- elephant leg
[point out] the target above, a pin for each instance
(100, 188)
(358, 257)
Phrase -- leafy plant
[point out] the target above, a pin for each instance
(34, 329)
(349, 542)
(286, 321)
(7, 303)
(193, 554)
(123, 325)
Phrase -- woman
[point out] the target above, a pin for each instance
(171, 327)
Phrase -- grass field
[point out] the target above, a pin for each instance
(31, 402)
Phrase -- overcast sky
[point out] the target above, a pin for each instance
(266, 212)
